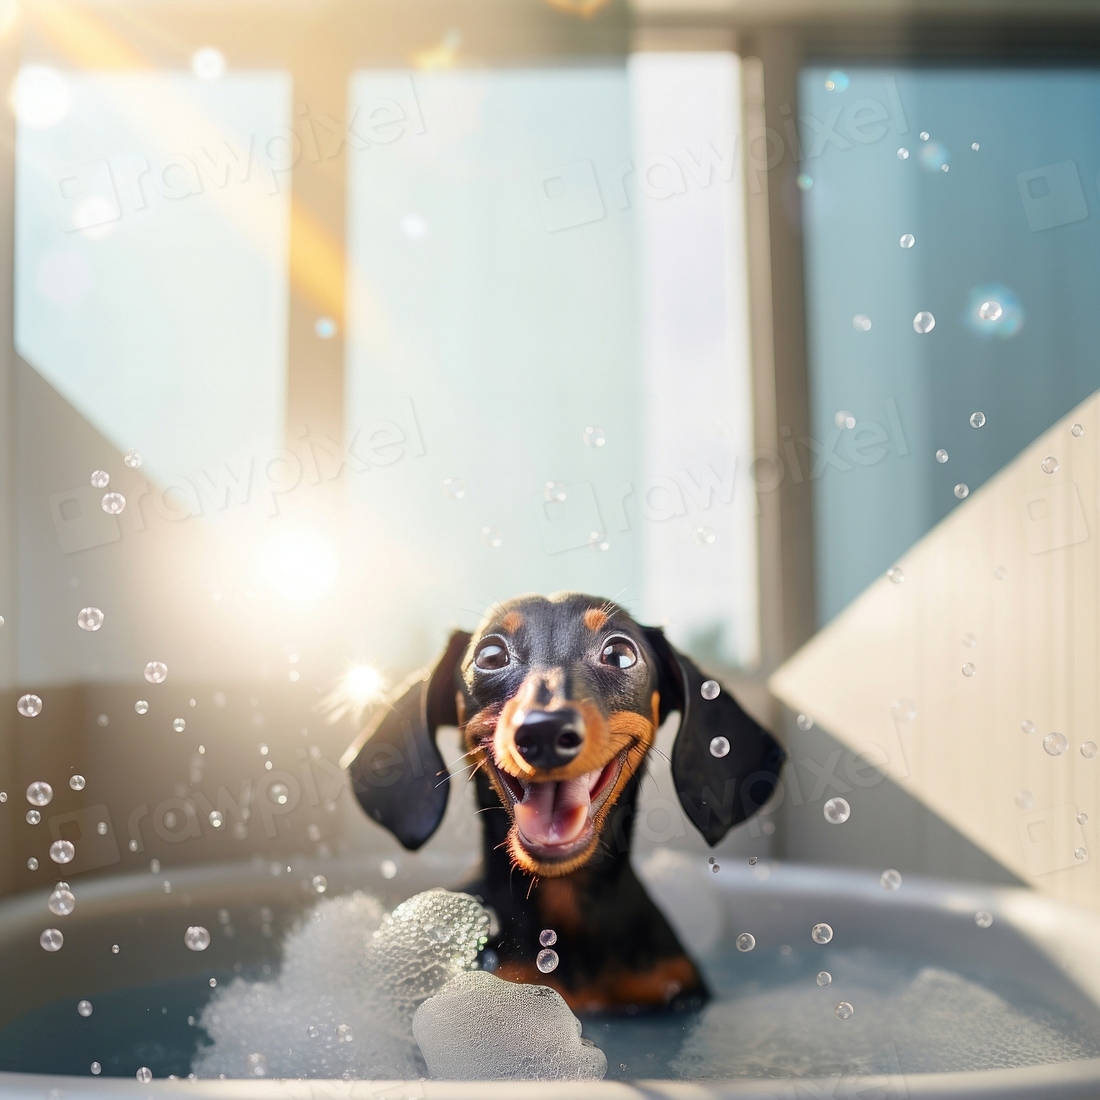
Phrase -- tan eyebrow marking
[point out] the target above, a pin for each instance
(511, 622)
(595, 619)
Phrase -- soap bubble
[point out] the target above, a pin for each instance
(454, 487)
(1054, 744)
(388, 868)
(1027, 725)
(821, 933)
(257, 1065)
(804, 182)
(975, 146)
(861, 322)
(1079, 853)
(837, 811)
(711, 689)
(320, 884)
(547, 960)
(1088, 749)
(39, 793)
(89, 618)
(100, 479)
(156, 672)
(890, 879)
(144, 1075)
(594, 437)
(30, 706)
(844, 419)
(924, 322)
(924, 135)
(962, 490)
(279, 793)
(62, 851)
(705, 536)
(968, 669)
(837, 81)
(84, 1008)
(196, 938)
(804, 722)
(113, 503)
(977, 419)
(555, 490)
(51, 939)
(941, 456)
(1077, 431)
(179, 725)
(907, 240)
(132, 458)
(61, 902)
(824, 978)
(1049, 465)
(33, 817)
(990, 311)
(903, 154)
(491, 536)
(548, 937)
(969, 640)
(983, 918)
(844, 1011)
(77, 782)
(896, 575)
(753, 860)
(719, 746)
(141, 706)
(745, 942)
(32, 864)
(1082, 818)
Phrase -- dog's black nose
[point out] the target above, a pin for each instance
(550, 738)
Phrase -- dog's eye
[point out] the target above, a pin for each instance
(491, 655)
(619, 654)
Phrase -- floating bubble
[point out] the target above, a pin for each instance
(969, 640)
(977, 419)
(51, 939)
(941, 456)
(144, 1075)
(844, 1010)
(745, 942)
(890, 879)
(752, 861)
(804, 182)
(705, 536)
(821, 933)
(196, 938)
(983, 918)
(968, 669)
(1027, 725)
(454, 487)
(388, 868)
(207, 63)
(1082, 819)
(924, 135)
(546, 960)
(39, 793)
(97, 1069)
(905, 710)
(548, 937)
(216, 819)
(837, 811)
(62, 851)
(179, 724)
(594, 437)
(990, 311)
(975, 146)
(101, 828)
(719, 746)
(156, 672)
(896, 575)
(710, 689)
(141, 706)
(903, 154)
(257, 1065)
(30, 706)
(837, 81)
(279, 793)
(1049, 465)
(344, 1033)
(491, 536)
(1088, 749)
(716, 868)
(33, 817)
(844, 419)
(824, 978)
(100, 479)
(924, 322)
(77, 782)
(3, 796)
(114, 948)
(1079, 853)
(861, 322)
(319, 884)
(804, 722)
(132, 458)
(1077, 430)
(1054, 744)
(102, 720)
(555, 490)
(962, 490)
(113, 503)
(89, 618)
(62, 901)
(907, 240)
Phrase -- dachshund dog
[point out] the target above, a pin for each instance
(559, 700)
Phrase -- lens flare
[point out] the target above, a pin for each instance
(361, 686)
(299, 566)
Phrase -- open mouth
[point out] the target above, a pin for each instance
(554, 819)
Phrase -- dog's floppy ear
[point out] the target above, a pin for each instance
(396, 770)
(716, 792)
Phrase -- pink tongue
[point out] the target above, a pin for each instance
(554, 813)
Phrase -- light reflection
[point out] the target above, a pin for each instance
(300, 566)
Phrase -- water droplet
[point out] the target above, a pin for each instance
(962, 490)
(344, 1033)
(454, 487)
(156, 672)
(804, 722)
(30, 706)
(844, 419)
(968, 669)
(890, 879)
(179, 724)
(51, 939)
(547, 960)
(320, 883)
(710, 689)
(903, 154)
(844, 1011)
(491, 536)
(388, 868)
(84, 1008)
(89, 618)
(821, 933)
(279, 793)
(837, 811)
(1054, 744)
(905, 710)
(97, 1069)
(62, 851)
(1049, 465)
(548, 937)
(144, 1075)
(1079, 853)
(196, 938)
(113, 503)
(1077, 431)
(100, 479)
(1088, 749)
(907, 240)
(969, 640)
(924, 322)
(824, 978)
(990, 311)
(977, 419)
(719, 746)
(132, 458)
(39, 793)
(804, 182)
(896, 575)
(983, 918)
(941, 456)
(975, 146)
(141, 706)
(861, 322)
(594, 437)
(745, 942)
(555, 490)
(216, 819)
(1001, 572)
(77, 782)
(33, 817)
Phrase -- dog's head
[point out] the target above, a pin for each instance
(559, 700)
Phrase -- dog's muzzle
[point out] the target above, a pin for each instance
(549, 739)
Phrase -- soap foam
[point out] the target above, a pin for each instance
(480, 1027)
